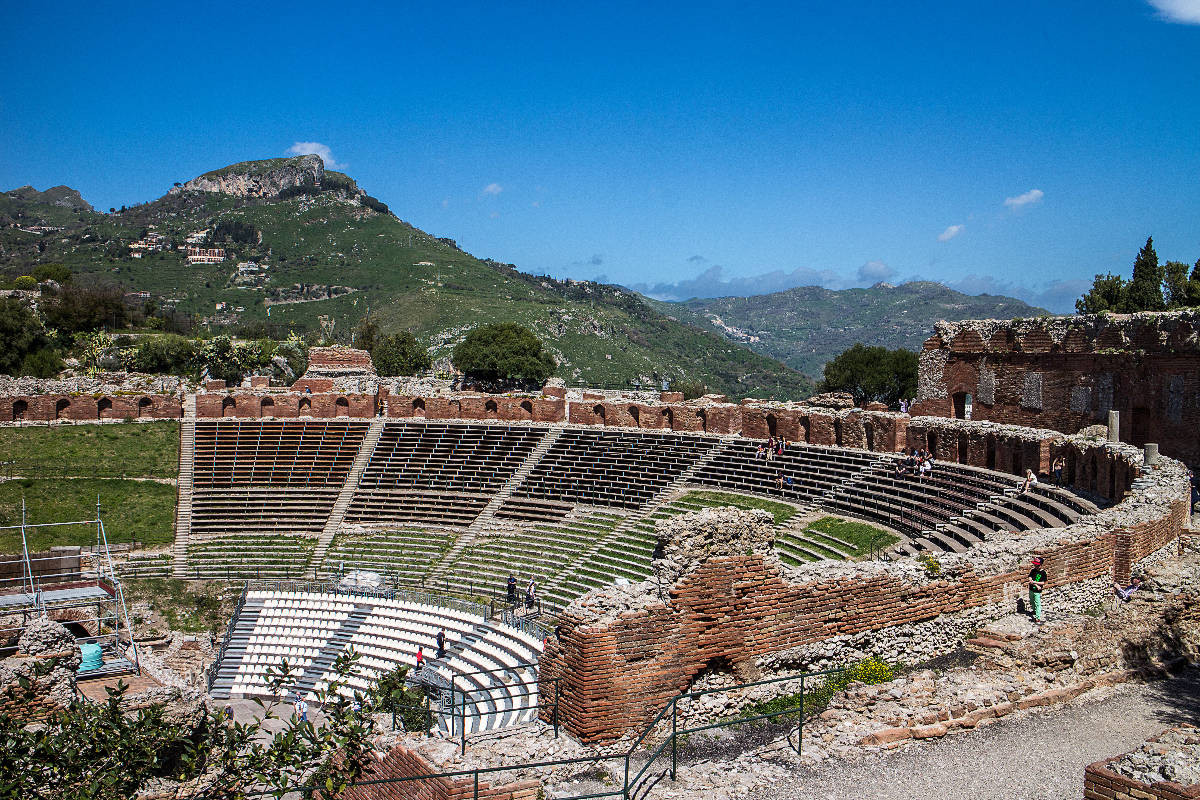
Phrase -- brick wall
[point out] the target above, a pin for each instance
(617, 671)
(480, 407)
(88, 408)
(340, 359)
(289, 405)
(401, 762)
(1100, 783)
(1066, 373)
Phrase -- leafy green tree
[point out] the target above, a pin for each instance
(1175, 284)
(22, 337)
(59, 273)
(366, 335)
(1145, 288)
(400, 354)
(90, 349)
(87, 308)
(1108, 294)
(164, 355)
(503, 352)
(227, 361)
(25, 282)
(872, 374)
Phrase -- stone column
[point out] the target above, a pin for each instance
(1114, 426)
(1150, 458)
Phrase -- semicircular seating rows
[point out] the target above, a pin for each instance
(492, 665)
(568, 510)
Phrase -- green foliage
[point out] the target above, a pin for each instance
(189, 606)
(234, 230)
(90, 349)
(1153, 287)
(59, 273)
(400, 354)
(21, 337)
(77, 309)
(872, 374)
(691, 388)
(867, 538)
(25, 282)
(45, 363)
(374, 204)
(933, 567)
(504, 352)
(294, 350)
(164, 355)
(871, 671)
(104, 751)
(228, 361)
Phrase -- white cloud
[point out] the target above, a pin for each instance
(1032, 196)
(492, 189)
(315, 149)
(1186, 12)
(950, 233)
(875, 271)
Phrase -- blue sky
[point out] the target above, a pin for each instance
(1018, 147)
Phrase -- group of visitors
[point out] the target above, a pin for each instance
(530, 592)
(919, 462)
(906, 405)
(774, 447)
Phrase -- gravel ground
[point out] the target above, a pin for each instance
(1036, 757)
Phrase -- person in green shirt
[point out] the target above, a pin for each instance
(1037, 582)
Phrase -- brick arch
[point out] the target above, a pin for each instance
(104, 408)
(228, 407)
(490, 408)
(967, 341)
(341, 407)
(61, 407)
(527, 408)
(636, 414)
(598, 413)
(266, 407)
(418, 407)
(304, 406)
(1036, 340)
(668, 418)
(143, 405)
(19, 409)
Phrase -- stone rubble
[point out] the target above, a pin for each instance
(1173, 755)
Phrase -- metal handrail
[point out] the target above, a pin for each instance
(214, 667)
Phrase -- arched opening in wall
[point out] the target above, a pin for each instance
(717, 665)
(60, 408)
(990, 456)
(636, 414)
(598, 414)
(700, 415)
(1071, 465)
(964, 448)
(1094, 478)
(144, 406)
(837, 433)
(931, 442)
(228, 407)
(76, 629)
(341, 407)
(20, 409)
(1018, 459)
(772, 424)
(104, 408)
(490, 408)
(266, 408)
(304, 407)
(963, 402)
(456, 409)
(527, 407)
(418, 407)
(806, 430)
(668, 418)
(869, 435)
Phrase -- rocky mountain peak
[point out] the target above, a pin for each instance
(260, 178)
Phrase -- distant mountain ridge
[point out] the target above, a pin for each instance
(325, 253)
(62, 196)
(807, 326)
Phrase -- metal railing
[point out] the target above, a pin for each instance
(215, 667)
(633, 778)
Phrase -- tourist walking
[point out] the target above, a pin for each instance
(530, 594)
(1037, 582)
(512, 589)
(301, 708)
(441, 644)
(1056, 469)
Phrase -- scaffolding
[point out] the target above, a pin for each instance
(77, 586)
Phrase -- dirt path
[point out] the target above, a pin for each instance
(1036, 757)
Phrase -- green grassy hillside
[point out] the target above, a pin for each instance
(807, 326)
(337, 258)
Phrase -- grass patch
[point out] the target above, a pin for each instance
(191, 607)
(138, 511)
(860, 534)
(147, 449)
(870, 671)
(781, 511)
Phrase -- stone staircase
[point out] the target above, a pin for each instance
(183, 505)
(487, 517)
(349, 487)
(235, 650)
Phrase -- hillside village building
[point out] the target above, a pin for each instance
(205, 255)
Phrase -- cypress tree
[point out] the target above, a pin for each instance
(1145, 289)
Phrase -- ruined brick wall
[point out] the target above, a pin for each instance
(477, 407)
(88, 408)
(1102, 782)
(1066, 373)
(401, 762)
(289, 405)
(339, 359)
(619, 662)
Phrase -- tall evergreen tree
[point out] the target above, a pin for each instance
(1145, 289)
(1175, 284)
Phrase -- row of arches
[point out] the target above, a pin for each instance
(103, 409)
(266, 407)
(666, 415)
